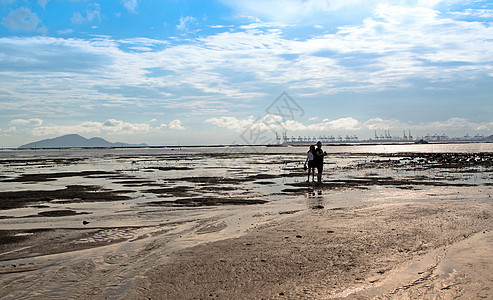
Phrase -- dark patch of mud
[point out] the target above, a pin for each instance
(262, 176)
(71, 194)
(448, 161)
(170, 168)
(135, 183)
(212, 188)
(209, 180)
(41, 161)
(264, 182)
(60, 213)
(301, 190)
(207, 201)
(12, 237)
(50, 214)
(289, 212)
(213, 180)
(55, 176)
(176, 191)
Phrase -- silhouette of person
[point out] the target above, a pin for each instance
(310, 159)
(318, 158)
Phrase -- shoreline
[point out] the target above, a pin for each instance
(296, 144)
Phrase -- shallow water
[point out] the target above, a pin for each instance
(174, 181)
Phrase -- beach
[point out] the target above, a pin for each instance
(404, 251)
(371, 251)
(133, 225)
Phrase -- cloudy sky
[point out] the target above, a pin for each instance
(166, 72)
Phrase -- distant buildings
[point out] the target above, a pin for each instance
(314, 139)
(386, 137)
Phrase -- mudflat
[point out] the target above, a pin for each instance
(388, 251)
(105, 225)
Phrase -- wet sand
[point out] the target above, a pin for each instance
(388, 251)
(384, 226)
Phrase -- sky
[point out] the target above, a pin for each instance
(171, 72)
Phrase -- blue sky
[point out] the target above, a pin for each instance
(167, 72)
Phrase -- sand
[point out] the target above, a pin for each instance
(390, 226)
(400, 251)
(437, 249)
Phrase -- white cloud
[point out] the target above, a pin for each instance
(481, 13)
(485, 126)
(130, 5)
(86, 127)
(389, 49)
(302, 11)
(381, 51)
(29, 122)
(272, 119)
(43, 3)
(286, 10)
(275, 122)
(110, 126)
(379, 123)
(185, 22)
(120, 127)
(176, 124)
(77, 18)
(93, 13)
(22, 19)
(65, 31)
(231, 122)
(348, 124)
(11, 129)
(453, 124)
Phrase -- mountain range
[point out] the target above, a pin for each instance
(76, 141)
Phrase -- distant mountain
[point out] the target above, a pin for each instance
(76, 141)
(490, 138)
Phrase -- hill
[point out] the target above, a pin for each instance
(76, 141)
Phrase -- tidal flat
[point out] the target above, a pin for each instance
(227, 222)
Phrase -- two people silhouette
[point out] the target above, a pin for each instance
(315, 160)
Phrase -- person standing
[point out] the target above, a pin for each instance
(318, 159)
(310, 156)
